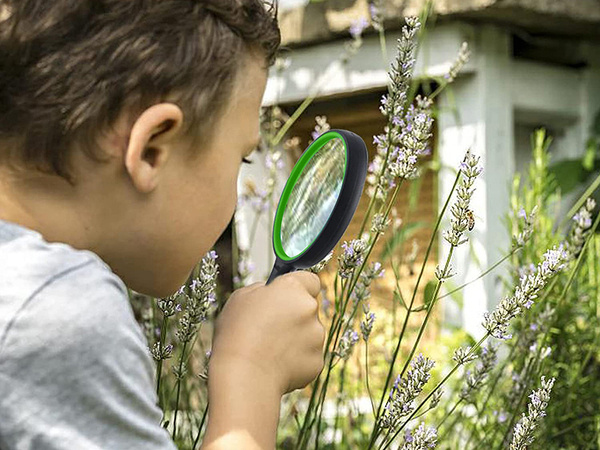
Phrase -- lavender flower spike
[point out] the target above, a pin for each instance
(320, 266)
(497, 322)
(581, 227)
(520, 239)
(357, 27)
(411, 140)
(353, 255)
(463, 56)
(394, 106)
(198, 305)
(404, 392)
(347, 343)
(461, 214)
(366, 326)
(463, 355)
(421, 439)
(475, 379)
(536, 410)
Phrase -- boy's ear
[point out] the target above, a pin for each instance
(150, 144)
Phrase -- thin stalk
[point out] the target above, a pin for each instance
(178, 390)
(384, 54)
(429, 310)
(339, 402)
(405, 325)
(160, 362)
(322, 396)
(579, 203)
(483, 274)
(200, 427)
(305, 423)
(367, 377)
(352, 283)
(451, 426)
(257, 215)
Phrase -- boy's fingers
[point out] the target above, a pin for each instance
(309, 280)
(254, 285)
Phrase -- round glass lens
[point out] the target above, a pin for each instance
(313, 197)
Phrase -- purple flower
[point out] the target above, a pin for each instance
(357, 27)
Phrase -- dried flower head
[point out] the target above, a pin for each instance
(178, 371)
(321, 127)
(376, 13)
(442, 274)
(159, 352)
(362, 289)
(436, 398)
(475, 379)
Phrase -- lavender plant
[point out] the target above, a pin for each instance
(480, 408)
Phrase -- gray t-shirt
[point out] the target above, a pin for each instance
(75, 369)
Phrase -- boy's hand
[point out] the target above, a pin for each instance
(273, 331)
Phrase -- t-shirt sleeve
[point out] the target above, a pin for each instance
(75, 370)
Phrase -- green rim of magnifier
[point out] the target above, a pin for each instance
(289, 186)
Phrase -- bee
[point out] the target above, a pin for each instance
(471, 219)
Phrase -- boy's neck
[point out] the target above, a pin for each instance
(44, 205)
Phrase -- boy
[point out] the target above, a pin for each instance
(122, 127)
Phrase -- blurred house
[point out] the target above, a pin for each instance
(533, 63)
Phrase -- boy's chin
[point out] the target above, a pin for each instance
(161, 288)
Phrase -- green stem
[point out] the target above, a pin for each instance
(375, 430)
(579, 203)
(306, 424)
(160, 362)
(367, 377)
(451, 427)
(483, 274)
(178, 390)
(200, 427)
(339, 402)
(429, 310)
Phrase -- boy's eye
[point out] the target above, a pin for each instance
(246, 160)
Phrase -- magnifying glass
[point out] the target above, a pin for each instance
(318, 200)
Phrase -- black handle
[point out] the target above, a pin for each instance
(279, 268)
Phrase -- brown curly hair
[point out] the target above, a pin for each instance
(69, 68)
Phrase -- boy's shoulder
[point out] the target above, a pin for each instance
(63, 290)
(75, 370)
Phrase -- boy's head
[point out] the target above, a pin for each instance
(124, 122)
